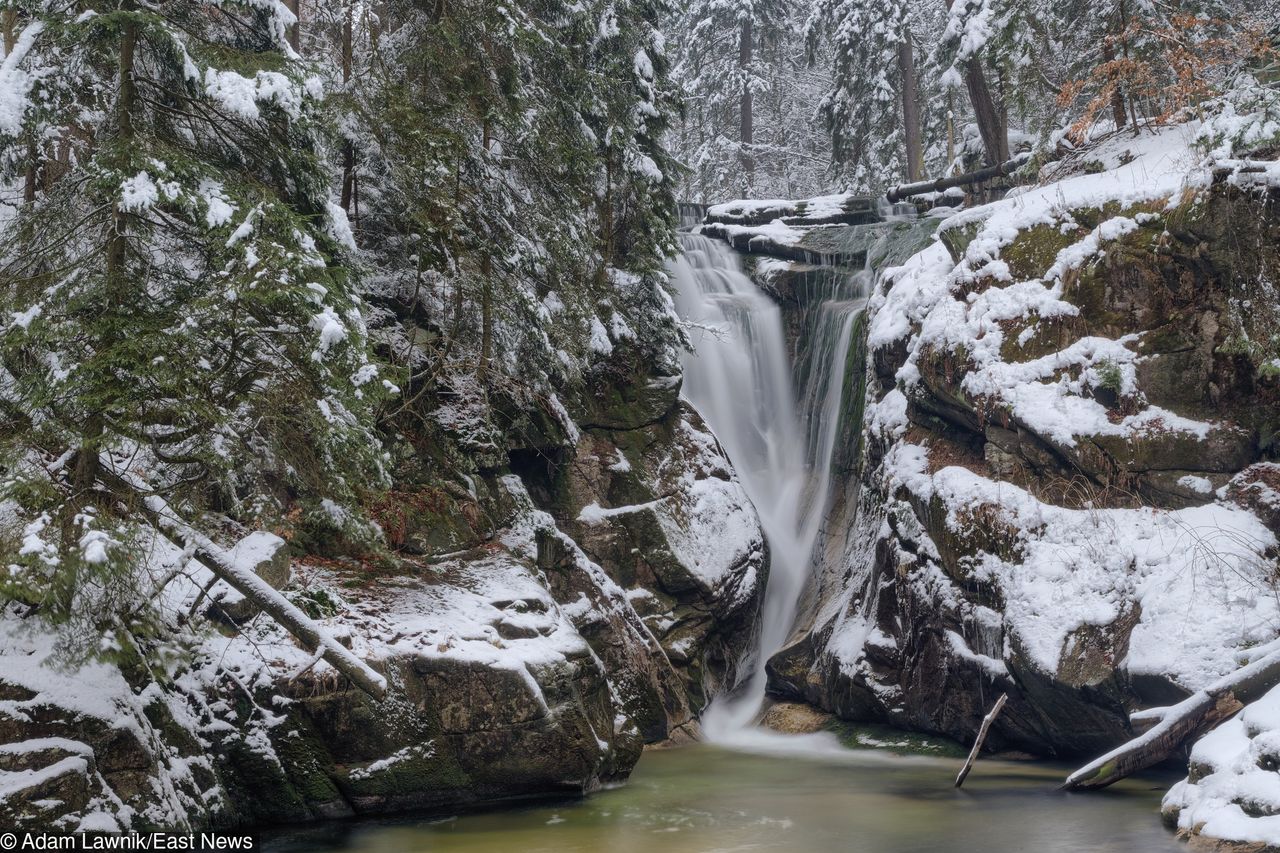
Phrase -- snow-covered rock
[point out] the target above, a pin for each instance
(1063, 490)
(1232, 792)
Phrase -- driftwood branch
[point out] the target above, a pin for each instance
(982, 737)
(905, 191)
(1191, 717)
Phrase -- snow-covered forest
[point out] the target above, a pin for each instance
(423, 405)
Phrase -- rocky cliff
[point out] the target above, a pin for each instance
(544, 613)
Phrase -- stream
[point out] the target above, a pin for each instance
(705, 798)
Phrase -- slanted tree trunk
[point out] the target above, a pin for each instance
(1190, 718)
(991, 127)
(987, 113)
(981, 738)
(746, 128)
(246, 582)
(910, 109)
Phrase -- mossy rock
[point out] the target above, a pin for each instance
(958, 237)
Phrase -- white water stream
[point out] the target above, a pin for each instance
(779, 436)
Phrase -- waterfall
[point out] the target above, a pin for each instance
(776, 415)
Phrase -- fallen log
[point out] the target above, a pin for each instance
(902, 192)
(982, 737)
(1191, 717)
(244, 581)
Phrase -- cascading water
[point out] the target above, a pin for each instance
(777, 418)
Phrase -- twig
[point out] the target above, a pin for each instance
(982, 736)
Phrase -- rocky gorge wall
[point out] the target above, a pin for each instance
(548, 612)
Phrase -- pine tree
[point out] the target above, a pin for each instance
(872, 48)
(515, 198)
(785, 153)
(730, 50)
(181, 322)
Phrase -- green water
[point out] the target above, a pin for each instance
(706, 799)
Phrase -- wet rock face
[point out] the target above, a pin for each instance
(456, 733)
(659, 509)
(988, 553)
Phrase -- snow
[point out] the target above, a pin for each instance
(16, 781)
(990, 665)
(16, 82)
(138, 193)
(820, 207)
(98, 695)
(934, 295)
(776, 231)
(408, 753)
(708, 522)
(1236, 797)
(715, 531)
(332, 329)
(572, 433)
(600, 343)
(233, 567)
(1196, 484)
(240, 95)
(338, 226)
(1194, 573)
(255, 549)
(218, 208)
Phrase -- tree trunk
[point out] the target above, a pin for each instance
(981, 738)
(910, 109)
(995, 137)
(1191, 717)
(902, 192)
(746, 128)
(244, 581)
(951, 130)
(486, 290)
(1117, 94)
(10, 24)
(347, 195)
(31, 179)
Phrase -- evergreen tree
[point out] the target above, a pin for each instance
(730, 52)
(864, 108)
(514, 199)
(181, 320)
(996, 50)
(786, 152)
